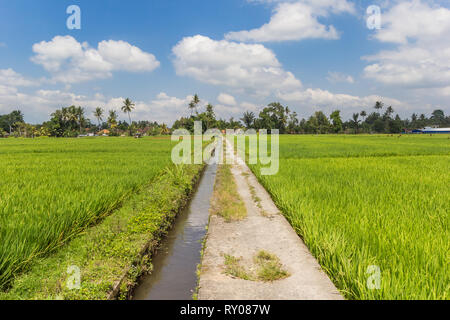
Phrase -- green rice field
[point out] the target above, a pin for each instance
(362, 201)
(52, 189)
(357, 202)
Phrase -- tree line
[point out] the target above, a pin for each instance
(72, 121)
(277, 116)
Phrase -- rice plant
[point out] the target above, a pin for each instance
(52, 189)
(367, 201)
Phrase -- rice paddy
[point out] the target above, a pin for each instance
(362, 204)
(52, 189)
(369, 203)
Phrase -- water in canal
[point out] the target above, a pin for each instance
(174, 274)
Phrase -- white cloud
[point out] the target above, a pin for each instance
(422, 59)
(10, 77)
(38, 106)
(124, 56)
(226, 99)
(248, 106)
(327, 101)
(70, 61)
(235, 111)
(337, 77)
(296, 21)
(244, 67)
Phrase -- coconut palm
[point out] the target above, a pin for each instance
(379, 105)
(196, 101)
(389, 112)
(363, 115)
(248, 119)
(194, 104)
(164, 129)
(98, 113)
(356, 122)
(112, 119)
(79, 113)
(127, 107)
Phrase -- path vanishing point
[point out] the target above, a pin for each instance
(266, 230)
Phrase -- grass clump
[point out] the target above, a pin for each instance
(269, 267)
(257, 200)
(226, 201)
(234, 269)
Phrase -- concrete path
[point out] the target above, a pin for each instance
(265, 230)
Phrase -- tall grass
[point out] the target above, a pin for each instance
(52, 189)
(370, 200)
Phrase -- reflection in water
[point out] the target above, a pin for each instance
(174, 276)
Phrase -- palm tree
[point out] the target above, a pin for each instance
(191, 107)
(112, 119)
(196, 101)
(127, 107)
(164, 129)
(356, 122)
(70, 114)
(364, 115)
(79, 114)
(389, 112)
(248, 119)
(194, 104)
(379, 105)
(98, 113)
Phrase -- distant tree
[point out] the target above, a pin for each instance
(79, 113)
(395, 125)
(127, 107)
(292, 122)
(196, 101)
(274, 116)
(8, 121)
(210, 116)
(98, 114)
(379, 125)
(438, 117)
(164, 129)
(193, 105)
(112, 119)
(355, 121)
(389, 112)
(363, 114)
(379, 105)
(336, 121)
(322, 121)
(248, 119)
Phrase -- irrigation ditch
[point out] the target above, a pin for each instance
(174, 274)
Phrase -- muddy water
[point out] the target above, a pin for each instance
(175, 264)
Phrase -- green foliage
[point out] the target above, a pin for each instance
(53, 189)
(9, 122)
(111, 250)
(269, 267)
(359, 201)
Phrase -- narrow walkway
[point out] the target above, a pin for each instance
(263, 229)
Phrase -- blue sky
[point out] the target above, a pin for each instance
(236, 54)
